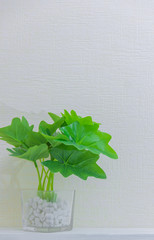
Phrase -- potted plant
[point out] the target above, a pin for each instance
(70, 145)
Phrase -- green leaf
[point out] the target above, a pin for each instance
(51, 140)
(86, 137)
(15, 133)
(26, 124)
(72, 155)
(55, 166)
(50, 129)
(71, 161)
(89, 170)
(32, 154)
(34, 138)
(69, 118)
(44, 128)
(73, 117)
(54, 117)
(15, 152)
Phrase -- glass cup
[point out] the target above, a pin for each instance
(47, 211)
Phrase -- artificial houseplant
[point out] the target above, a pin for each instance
(70, 145)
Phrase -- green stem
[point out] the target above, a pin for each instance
(49, 181)
(39, 177)
(46, 172)
(44, 181)
(52, 180)
(42, 172)
(52, 175)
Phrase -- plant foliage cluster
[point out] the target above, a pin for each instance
(70, 145)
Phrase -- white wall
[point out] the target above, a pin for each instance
(94, 56)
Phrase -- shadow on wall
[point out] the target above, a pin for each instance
(10, 191)
(11, 170)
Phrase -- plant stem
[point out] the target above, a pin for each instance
(43, 177)
(39, 177)
(42, 172)
(52, 175)
(44, 180)
(48, 184)
(52, 180)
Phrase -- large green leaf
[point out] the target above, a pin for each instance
(51, 140)
(72, 161)
(54, 117)
(50, 129)
(15, 152)
(26, 124)
(34, 138)
(32, 154)
(86, 137)
(44, 128)
(73, 117)
(15, 133)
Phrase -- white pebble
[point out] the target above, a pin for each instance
(30, 211)
(46, 225)
(56, 222)
(55, 205)
(48, 210)
(36, 214)
(49, 216)
(31, 217)
(34, 205)
(40, 206)
(59, 212)
(47, 221)
(50, 204)
(33, 222)
(36, 199)
(45, 204)
(65, 212)
(38, 222)
(40, 201)
(40, 213)
(51, 222)
(42, 216)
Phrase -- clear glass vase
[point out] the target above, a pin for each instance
(50, 211)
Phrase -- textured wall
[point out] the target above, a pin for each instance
(95, 56)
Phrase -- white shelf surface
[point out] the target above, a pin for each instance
(81, 234)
